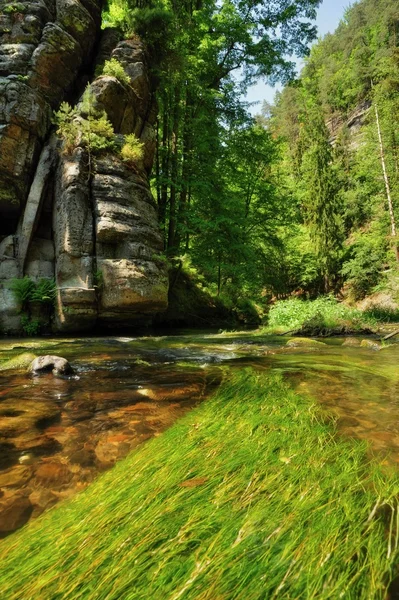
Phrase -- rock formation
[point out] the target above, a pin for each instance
(49, 362)
(67, 216)
(352, 122)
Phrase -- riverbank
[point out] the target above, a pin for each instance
(326, 316)
(251, 495)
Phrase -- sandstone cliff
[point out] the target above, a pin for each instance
(64, 216)
(352, 122)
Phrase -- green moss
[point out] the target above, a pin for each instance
(14, 7)
(298, 342)
(22, 361)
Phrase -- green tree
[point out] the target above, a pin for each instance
(322, 210)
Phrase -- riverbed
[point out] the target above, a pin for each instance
(58, 434)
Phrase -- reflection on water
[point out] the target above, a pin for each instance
(57, 434)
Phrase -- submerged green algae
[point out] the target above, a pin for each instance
(18, 362)
(249, 496)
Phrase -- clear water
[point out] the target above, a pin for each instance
(56, 434)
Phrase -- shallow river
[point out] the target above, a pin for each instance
(57, 434)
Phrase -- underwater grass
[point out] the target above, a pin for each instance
(250, 496)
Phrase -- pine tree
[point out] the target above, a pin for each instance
(322, 211)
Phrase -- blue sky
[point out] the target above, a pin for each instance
(328, 16)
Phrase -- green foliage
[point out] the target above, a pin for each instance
(132, 151)
(154, 25)
(363, 268)
(44, 292)
(343, 64)
(66, 119)
(85, 125)
(23, 290)
(222, 212)
(247, 312)
(322, 210)
(253, 481)
(340, 191)
(116, 15)
(98, 280)
(14, 7)
(323, 313)
(31, 327)
(27, 292)
(114, 68)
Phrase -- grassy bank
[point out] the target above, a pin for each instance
(250, 496)
(323, 316)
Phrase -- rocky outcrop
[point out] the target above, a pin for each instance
(89, 223)
(105, 221)
(352, 122)
(43, 47)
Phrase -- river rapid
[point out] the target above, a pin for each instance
(57, 434)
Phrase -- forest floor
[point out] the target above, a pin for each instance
(251, 495)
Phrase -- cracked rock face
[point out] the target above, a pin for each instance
(105, 222)
(43, 45)
(89, 223)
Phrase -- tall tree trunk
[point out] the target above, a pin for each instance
(158, 167)
(187, 245)
(164, 175)
(387, 185)
(185, 169)
(219, 275)
(174, 174)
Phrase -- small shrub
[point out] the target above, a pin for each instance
(247, 313)
(16, 7)
(30, 326)
(116, 15)
(66, 119)
(98, 280)
(114, 68)
(132, 150)
(85, 125)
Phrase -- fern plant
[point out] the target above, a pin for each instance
(44, 291)
(28, 292)
(23, 290)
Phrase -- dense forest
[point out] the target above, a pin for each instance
(337, 129)
(299, 199)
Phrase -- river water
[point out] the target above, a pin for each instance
(57, 434)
